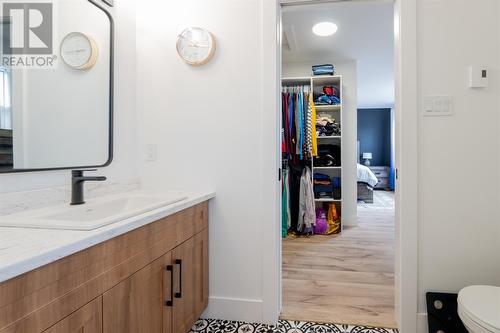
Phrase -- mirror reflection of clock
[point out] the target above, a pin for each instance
(196, 46)
(79, 51)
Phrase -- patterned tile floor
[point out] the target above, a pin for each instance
(224, 326)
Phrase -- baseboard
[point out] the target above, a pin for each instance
(422, 324)
(248, 310)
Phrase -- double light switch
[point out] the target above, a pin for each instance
(438, 106)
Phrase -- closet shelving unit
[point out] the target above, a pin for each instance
(316, 83)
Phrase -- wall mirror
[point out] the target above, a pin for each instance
(59, 117)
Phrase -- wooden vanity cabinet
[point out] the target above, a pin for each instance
(166, 296)
(85, 320)
(151, 280)
(191, 282)
(138, 303)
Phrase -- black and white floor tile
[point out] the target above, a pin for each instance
(284, 326)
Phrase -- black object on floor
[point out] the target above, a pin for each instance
(442, 311)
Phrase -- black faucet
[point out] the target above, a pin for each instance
(77, 181)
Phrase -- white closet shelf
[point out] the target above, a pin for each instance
(328, 168)
(330, 137)
(328, 200)
(296, 80)
(325, 108)
(327, 79)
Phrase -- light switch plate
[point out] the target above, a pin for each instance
(151, 152)
(435, 106)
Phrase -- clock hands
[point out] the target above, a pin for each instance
(192, 44)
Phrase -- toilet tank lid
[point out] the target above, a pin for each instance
(481, 303)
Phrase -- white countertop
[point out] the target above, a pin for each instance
(24, 249)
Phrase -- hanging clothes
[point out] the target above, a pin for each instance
(295, 175)
(314, 137)
(297, 137)
(286, 218)
(307, 212)
(298, 121)
(306, 128)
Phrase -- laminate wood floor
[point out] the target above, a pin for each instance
(347, 279)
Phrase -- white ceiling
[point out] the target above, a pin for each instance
(366, 34)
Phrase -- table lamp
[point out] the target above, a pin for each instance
(367, 157)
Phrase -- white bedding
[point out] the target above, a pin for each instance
(365, 175)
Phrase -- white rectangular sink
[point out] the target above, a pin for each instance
(92, 215)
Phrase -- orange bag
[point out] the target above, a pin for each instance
(333, 220)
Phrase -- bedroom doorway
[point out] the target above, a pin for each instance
(338, 249)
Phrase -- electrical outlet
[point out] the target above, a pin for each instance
(151, 153)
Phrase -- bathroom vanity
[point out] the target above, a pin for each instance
(148, 273)
(132, 263)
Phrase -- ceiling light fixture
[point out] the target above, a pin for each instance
(325, 29)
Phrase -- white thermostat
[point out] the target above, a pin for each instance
(478, 77)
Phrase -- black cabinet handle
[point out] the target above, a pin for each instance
(179, 262)
(170, 269)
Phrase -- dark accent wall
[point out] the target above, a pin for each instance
(374, 135)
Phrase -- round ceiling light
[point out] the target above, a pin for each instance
(325, 29)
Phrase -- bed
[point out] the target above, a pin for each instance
(366, 182)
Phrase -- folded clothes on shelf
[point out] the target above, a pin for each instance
(322, 177)
(331, 91)
(327, 126)
(330, 96)
(327, 100)
(323, 186)
(337, 190)
(323, 195)
(326, 69)
(336, 182)
(326, 161)
(328, 156)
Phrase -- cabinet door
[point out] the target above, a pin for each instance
(88, 319)
(190, 261)
(138, 304)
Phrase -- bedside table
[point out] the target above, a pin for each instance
(382, 173)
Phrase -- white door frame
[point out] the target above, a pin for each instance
(406, 159)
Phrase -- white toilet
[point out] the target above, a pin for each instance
(479, 309)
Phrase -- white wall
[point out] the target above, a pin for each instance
(459, 220)
(207, 125)
(348, 70)
(124, 165)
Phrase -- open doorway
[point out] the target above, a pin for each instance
(338, 161)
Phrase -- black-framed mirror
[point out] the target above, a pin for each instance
(57, 115)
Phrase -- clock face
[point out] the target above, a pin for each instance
(79, 51)
(196, 46)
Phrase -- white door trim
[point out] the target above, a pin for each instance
(405, 14)
(406, 161)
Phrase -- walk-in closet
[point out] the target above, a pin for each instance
(312, 159)
(338, 205)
